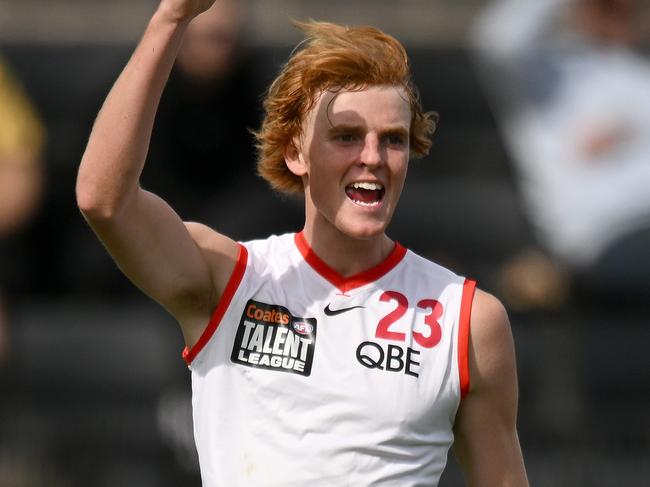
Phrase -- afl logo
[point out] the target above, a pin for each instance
(302, 327)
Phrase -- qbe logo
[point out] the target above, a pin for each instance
(270, 337)
(393, 358)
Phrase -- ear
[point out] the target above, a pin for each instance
(294, 159)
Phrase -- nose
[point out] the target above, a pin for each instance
(371, 153)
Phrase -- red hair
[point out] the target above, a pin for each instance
(332, 56)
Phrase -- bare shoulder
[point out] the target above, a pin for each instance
(207, 238)
(486, 443)
(219, 254)
(489, 316)
(219, 251)
(491, 342)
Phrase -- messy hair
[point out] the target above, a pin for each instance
(332, 57)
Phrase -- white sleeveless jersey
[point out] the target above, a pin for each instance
(304, 377)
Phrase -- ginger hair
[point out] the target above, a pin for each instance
(332, 57)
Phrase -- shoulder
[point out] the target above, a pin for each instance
(489, 316)
(485, 428)
(220, 252)
(206, 237)
(272, 243)
(486, 442)
(491, 343)
(422, 268)
(273, 254)
(215, 244)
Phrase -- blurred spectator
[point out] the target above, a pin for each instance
(202, 146)
(21, 177)
(572, 96)
(21, 143)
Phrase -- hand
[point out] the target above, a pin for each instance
(184, 10)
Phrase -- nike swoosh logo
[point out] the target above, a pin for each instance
(334, 312)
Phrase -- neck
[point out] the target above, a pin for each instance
(345, 254)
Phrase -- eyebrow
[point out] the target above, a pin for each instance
(355, 128)
(342, 127)
(396, 130)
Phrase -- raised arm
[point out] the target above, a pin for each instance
(487, 445)
(182, 266)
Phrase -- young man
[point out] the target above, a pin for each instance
(333, 356)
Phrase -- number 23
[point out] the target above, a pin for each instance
(431, 320)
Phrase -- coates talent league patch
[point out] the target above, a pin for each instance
(270, 337)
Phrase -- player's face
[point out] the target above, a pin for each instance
(353, 156)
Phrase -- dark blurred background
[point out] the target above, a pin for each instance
(93, 390)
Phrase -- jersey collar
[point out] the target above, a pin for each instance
(341, 282)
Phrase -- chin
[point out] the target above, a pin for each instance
(363, 230)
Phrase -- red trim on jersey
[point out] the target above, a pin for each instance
(343, 283)
(463, 335)
(222, 306)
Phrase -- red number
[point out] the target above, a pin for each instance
(392, 317)
(431, 320)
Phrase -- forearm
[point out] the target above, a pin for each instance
(118, 144)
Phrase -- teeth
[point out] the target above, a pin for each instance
(368, 186)
(364, 203)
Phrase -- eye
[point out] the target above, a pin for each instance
(395, 139)
(346, 137)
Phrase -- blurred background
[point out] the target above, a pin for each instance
(538, 185)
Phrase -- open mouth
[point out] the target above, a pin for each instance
(365, 194)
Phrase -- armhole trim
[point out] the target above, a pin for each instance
(467, 298)
(222, 306)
